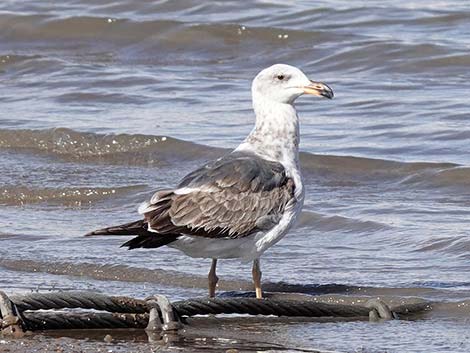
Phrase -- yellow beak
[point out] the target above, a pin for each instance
(318, 89)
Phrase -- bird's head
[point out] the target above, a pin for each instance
(284, 84)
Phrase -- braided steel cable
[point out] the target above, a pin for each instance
(79, 299)
(125, 312)
(38, 321)
(254, 306)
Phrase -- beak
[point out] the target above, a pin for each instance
(318, 89)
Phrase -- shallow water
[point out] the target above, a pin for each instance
(104, 102)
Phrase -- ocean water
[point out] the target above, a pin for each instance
(102, 102)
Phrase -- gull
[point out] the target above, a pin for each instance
(243, 203)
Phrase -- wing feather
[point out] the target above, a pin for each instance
(232, 197)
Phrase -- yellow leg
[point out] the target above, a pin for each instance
(213, 279)
(257, 278)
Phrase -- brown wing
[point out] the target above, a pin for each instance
(230, 198)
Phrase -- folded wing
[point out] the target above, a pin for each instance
(232, 197)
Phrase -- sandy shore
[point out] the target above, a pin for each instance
(43, 344)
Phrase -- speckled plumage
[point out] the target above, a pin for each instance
(232, 197)
(243, 203)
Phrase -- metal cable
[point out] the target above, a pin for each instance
(124, 312)
(78, 299)
(254, 306)
(190, 307)
(37, 321)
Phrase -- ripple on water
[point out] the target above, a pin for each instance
(128, 96)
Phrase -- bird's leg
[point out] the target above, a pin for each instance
(257, 278)
(213, 279)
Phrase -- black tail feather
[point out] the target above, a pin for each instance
(144, 239)
(132, 228)
(154, 241)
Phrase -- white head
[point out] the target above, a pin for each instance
(284, 84)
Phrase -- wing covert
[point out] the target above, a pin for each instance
(232, 197)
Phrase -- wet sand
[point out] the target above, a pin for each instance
(229, 335)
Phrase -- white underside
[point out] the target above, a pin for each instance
(247, 248)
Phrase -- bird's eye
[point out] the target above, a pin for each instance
(280, 77)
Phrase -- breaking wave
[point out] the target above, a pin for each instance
(139, 149)
(19, 195)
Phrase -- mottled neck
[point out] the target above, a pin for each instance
(276, 133)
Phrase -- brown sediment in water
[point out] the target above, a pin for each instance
(127, 149)
(231, 335)
(119, 148)
(70, 196)
(208, 334)
(91, 89)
